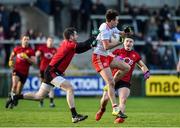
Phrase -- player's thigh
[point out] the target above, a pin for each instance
(119, 64)
(107, 75)
(124, 92)
(51, 91)
(15, 80)
(66, 86)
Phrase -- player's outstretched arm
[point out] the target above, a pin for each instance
(109, 45)
(144, 69)
(86, 45)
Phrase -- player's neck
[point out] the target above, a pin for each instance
(24, 46)
(48, 46)
(109, 25)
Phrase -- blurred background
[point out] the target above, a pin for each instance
(156, 24)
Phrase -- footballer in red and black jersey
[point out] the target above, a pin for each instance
(130, 57)
(21, 64)
(64, 55)
(46, 56)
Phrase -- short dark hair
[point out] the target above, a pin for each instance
(68, 32)
(24, 35)
(130, 36)
(111, 15)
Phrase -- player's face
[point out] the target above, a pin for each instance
(25, 41)
(49, 42)
(128, 44)
(74, 36)
(115, 22)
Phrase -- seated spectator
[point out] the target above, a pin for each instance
(15, 21)
(151, 28)
(168, 60)
(177, 13)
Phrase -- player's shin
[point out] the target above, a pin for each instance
(111, 93)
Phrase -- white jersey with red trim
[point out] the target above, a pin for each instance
(105, 34)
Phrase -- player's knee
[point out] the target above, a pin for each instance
(127, 68)
(39, 96)
(70, 90)
(111, 83)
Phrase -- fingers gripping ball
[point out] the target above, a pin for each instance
(11, 63)
(146, 75)
(24, 56)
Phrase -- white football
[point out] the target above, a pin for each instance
(115, 38)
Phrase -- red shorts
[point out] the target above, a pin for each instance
(100, 62)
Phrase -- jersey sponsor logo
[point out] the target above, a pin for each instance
(19, 56)
(48, 55)
(163, 86)
(128, 60)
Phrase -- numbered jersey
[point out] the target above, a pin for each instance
(105, 34)
(130, 57)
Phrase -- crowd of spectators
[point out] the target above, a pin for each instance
(158, 27)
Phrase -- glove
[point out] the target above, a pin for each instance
(24, 56)
(127, 29)
(11, 63)
(146, 75)
(95, 32)
(121, 39)
(94, 43)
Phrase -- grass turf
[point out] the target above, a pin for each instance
(142, 112)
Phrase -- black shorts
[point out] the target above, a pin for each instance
(20, 75)
(50, 73)
(41, 74)
(121, 84)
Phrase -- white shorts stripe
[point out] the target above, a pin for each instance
(99, 62)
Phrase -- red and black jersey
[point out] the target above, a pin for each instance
(46, 56)
(22, 65)
(131, 58)
(63, 56)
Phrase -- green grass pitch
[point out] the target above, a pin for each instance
(142, 112)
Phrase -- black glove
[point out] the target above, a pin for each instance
(127, 29)
(94, 43)
(95, 32)
(121, 39)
